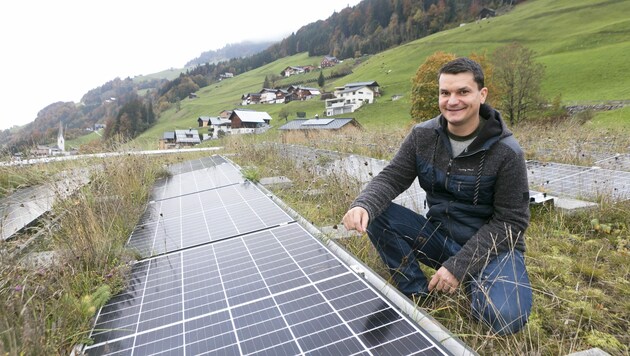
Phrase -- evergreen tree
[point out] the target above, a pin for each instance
(321, 80)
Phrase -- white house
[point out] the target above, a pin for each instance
(348, 100)
(272, 96)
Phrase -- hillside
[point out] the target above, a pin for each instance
(232, 50)
(581, 43)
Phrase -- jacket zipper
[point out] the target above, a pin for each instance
(448, 205)
(448, 173)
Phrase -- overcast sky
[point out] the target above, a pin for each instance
(57, 50)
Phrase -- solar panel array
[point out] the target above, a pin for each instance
(579, 181)
(251, 281)
(620, 162)
(25, 205)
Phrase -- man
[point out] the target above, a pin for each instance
(474, 174)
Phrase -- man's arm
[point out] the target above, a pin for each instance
(394, 179)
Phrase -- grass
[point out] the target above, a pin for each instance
(47, 308)
(579, 274)
(16, 177)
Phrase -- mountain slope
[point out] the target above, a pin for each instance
(232, 50)
(582, 44)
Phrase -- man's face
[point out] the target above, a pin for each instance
(459, 102)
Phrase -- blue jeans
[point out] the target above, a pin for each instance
(500, 294)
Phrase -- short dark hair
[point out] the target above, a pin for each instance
(463, 65)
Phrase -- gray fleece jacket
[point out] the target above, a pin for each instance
(480, 198)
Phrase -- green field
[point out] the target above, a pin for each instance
(582, 44)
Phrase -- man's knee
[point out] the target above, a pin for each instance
(504, 319)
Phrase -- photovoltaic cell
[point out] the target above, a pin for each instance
(578, 181)
(228, 272)
(620, 162)
(208, 215)
(278, 291)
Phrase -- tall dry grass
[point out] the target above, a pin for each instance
(48, 301)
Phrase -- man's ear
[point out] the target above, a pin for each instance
(484, 94)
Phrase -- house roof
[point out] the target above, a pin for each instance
(318, 124)
(351, 89)
(217, 121)
(169, 135)
(361, 84)
(252, 116)
(299, 87)
(187, 136)
(204, 118)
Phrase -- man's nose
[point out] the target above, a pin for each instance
(452, 99)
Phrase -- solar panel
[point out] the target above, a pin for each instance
(315, 122)
(619, 162)
(195, 218)
(278, 291)
(252, 281)
(22, 208)
(25, 205)
(578, 181)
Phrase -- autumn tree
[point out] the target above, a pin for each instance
(425, 88)
(518, 79)
(488, 74)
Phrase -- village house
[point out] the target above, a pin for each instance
(328, 61)
(279, 96)
(250, 98)
(225, 75)
(303, 93)
(188, 137)
(273, 96)
(373, 85)
(179, 139)
(248, 121)
(308, 126)
(214, 125)
(225, 114)
(351, 97)
(167, 141)
(293, 70)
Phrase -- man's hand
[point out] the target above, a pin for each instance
(443, 281)
(356, 219)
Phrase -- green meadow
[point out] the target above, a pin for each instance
(584, 46)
